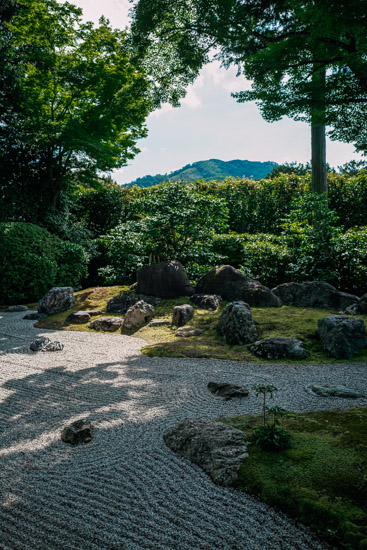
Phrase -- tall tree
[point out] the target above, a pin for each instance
(306, 59)
(80, 104)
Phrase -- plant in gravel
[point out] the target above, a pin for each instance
(270, 436)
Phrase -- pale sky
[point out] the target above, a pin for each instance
(210, 123)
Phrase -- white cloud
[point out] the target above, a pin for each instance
(166, 108)
(193, 99)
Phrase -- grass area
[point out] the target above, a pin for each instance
(285, 321)
(322, 480)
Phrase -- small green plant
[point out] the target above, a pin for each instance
(270, 436)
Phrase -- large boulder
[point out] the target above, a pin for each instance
(165, 280)
(56, 300)
(206, 301)
(217, 448)
(231, 284)
(182, 315)
(122, 302)
(279, 348)
(137, 315)
(342, 336)
(107, 324)
(235, 324)
(314, 294)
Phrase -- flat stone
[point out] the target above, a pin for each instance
(188, 332)
(13, 309)
(325, 390)
(78, 432)
(35, 316)
(217, 448)
(235, 324)
(107, 324)
(228, 391)
(138, 315)
(279, 348)
(78, 317)
(158, 323)
(92, 312)
(45, 344)
(182, 315)
(342, 336)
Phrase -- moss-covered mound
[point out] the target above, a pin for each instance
(322, 480)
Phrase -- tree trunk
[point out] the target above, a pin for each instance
(318, 148)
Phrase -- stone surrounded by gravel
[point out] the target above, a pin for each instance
(109, 324)
(188, 332)
(325, 390)
(235, 324)
(279, 348)
(78, 317)
(138, 315)
(226, 390)
(341, 336)
(182, 315)
(217, 448)
(78, 432)
(35, 316)
(126, 489)
(14, 309)
(56, 300)
(45, 344)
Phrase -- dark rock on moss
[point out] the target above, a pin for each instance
(107, 324)
(217, 448)
(279, 348)
(363, 303)
(235, 324)
(341, 336)
(165, 280)
(206, 301)
(159, 323)
(78, 317)
(228, 391)
(314, 294)
(182, 315)
(56, 300)
(78, 432)
(122, 302)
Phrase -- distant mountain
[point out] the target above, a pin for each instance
(212, 169)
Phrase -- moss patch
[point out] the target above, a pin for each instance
(322, 480)
(162, 342)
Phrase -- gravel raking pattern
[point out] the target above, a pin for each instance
(126, 490)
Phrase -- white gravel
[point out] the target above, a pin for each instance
(126, 490)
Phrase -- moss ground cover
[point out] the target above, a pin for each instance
(285, 321)
(322, 480)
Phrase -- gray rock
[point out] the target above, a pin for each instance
(165, 280)
(228, 391)
(138, 315)
(342, 336)
(188, 332)
(314, 294)
(78, 432)
(206, 301)
(56, 300)
(217, 448)
(158, 323)
(325, 390)
(34, 316)
(107, 324)
(93, 312)
(12, 309)
(235, 324)
(182, 315)
(45, 344)
(363, 303)
(354, 309)
(78, 317)
(122, 302)
(231, 284)
(279, 348)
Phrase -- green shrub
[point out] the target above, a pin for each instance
(72, 264)
(350, 257)
(265, 257)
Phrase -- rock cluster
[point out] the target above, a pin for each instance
(56, 300)
(235, 324)
(279, 348)
(342, 336)
(165, 280)
(122, 302)
(217, 448)
(182, 315)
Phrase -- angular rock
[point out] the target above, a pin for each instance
(122, 302)
(235, 324)
(12, 309)
(342, 336)
(45, 344)
(363, 303)
(188, 332)
(279, 348)
(78, 432)
(228, 391)
(314, 294)
(231, 284)
(325, 390)
(107, 324)
(182, 315)
(56, 300)
(78, 317)
(137, 315)
(34, 316)
(165, 280)
(217, 448)
(206, 301)
(159, 323)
